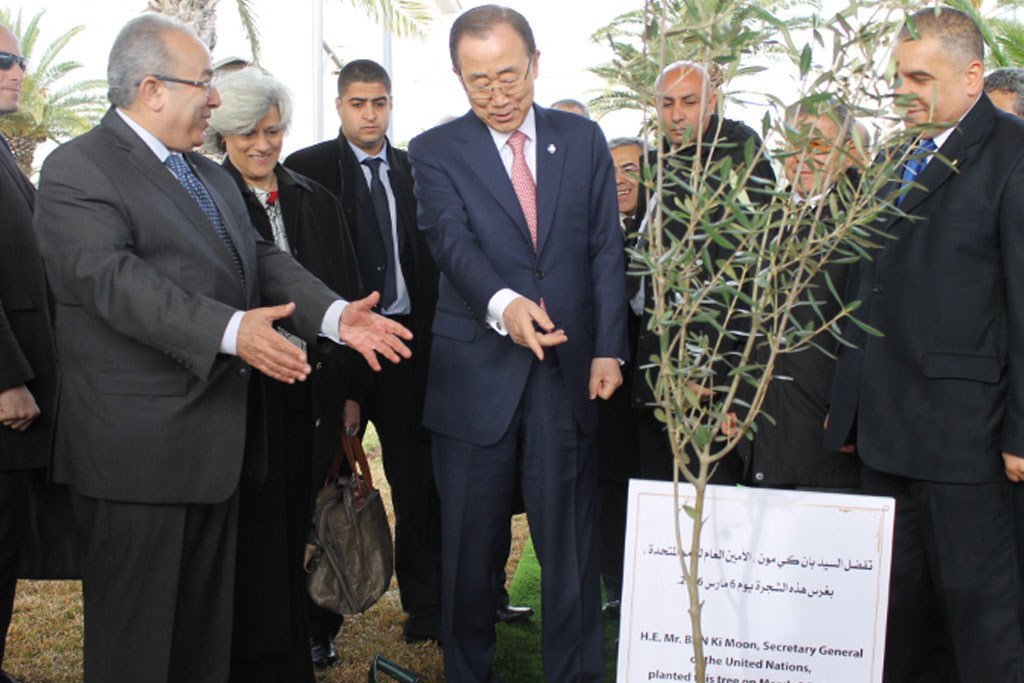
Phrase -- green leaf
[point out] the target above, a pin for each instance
(806, 55)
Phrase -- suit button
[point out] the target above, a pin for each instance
(879, 288)
(759, 476)
(319, 365)
(317, 423)
(380, 269)
(244, 373)
(539, 274)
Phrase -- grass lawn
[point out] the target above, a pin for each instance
(45, 640)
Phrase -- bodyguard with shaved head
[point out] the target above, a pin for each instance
(695, 140)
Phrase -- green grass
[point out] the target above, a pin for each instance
(517, 656)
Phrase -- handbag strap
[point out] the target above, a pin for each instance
(353, 448)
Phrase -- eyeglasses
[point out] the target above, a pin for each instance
(206, 85)
(508, 85)
(8, 60)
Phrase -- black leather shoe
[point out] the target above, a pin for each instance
(611, 609)
(509, 614)
(323, 653)
(422, 629)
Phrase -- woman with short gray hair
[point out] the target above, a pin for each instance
(303, 420)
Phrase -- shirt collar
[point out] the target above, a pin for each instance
(941, 138)
(528, 126)
(159, 149)
(362, 156)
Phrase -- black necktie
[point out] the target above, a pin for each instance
(383, 213)
(183, 172)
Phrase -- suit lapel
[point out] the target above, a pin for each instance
(401, 187)
(550, 162)
(145, 162)
(953, 154)
(483, 158)
(11, 165)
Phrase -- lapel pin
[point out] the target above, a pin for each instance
(551, 149)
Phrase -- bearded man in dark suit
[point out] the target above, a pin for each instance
(373, 182)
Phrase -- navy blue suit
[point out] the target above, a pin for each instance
(498, 414)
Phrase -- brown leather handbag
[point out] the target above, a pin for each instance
(351, 557)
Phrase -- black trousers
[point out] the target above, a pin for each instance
(158, 586)
(392, 404)
(544, 447)
(13, 486)
(954, 591)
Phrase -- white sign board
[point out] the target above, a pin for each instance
(795, 586)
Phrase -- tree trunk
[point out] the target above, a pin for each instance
(201, 15)
(24, 150)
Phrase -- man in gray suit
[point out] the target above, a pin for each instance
(160, 282)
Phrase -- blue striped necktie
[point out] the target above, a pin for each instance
(183, 172)
(919, 158)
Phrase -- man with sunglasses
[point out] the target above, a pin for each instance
(518, 206)
(27, 358)
(165, 300)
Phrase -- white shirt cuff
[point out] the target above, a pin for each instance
(332, 321)
(496, 309)
(229, 342)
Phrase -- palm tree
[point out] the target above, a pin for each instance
(51, 108)
(201, 15)
(401, 17)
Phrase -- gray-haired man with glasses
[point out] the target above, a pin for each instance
(165, 300)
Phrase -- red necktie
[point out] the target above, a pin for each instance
(522, 182)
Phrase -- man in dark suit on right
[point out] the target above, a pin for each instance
(28, 380)
(936, 405)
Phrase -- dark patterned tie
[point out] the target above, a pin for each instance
(183, 172)
(380, 207)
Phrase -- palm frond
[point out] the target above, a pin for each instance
(1009, 35)
(400, 17)
(248, 16)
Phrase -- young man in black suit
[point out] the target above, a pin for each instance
(373, 182)
(936, 405)
(27, 358)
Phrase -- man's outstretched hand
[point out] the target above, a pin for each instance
(370, 333)
(263, 348)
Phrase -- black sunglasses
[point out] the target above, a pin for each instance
(8, 60)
